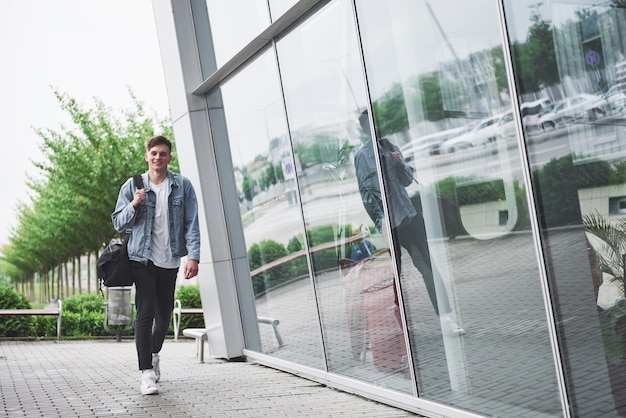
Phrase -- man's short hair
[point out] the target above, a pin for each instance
(364, 120)
(158, 140)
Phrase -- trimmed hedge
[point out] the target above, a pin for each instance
(14, 326)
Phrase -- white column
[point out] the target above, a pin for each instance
(198, 162)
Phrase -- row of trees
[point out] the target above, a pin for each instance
(69, 215)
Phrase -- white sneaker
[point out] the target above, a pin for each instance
(155, 367)
(450, 327)
(148, 384)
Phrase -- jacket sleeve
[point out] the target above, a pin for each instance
(369, 189)
(192, 227)
(405, 172)
(124, 210)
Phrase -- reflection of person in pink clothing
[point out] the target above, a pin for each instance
(407, 224)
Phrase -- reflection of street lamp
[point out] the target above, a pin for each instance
(468, 88)
(264, 110)
(345, 76)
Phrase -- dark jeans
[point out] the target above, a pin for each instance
(412, 236)
(154, 299)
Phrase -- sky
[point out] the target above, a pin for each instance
(84, 48)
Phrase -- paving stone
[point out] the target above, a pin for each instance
(99, 378)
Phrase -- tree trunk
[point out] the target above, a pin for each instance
(67, 280)
(89, 272)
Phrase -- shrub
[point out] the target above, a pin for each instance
(480, 191)
(263, 253)
(328, 259)
(18, 326)
(46, 326)
(326, 233)
(295, 244)
(557, 193)
(84, 304)
(83, 316)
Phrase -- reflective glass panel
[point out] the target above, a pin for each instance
(470, 283)
(273, 229)
(569, 57)
(234, 24)
(349, 256)
(279, 7)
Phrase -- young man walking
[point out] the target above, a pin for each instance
(166, 229)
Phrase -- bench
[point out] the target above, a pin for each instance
(178, 312)
(274, 323)
(200, 335)
(48, 311)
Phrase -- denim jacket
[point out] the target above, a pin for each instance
(396, 179)
(183, 218)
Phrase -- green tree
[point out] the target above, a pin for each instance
(71, 203)
(430, 97)
(390, 112)
(542, 52)
(248, 187)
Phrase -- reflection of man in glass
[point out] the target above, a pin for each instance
(407, 224)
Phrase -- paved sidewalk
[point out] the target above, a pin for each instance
(100, 379)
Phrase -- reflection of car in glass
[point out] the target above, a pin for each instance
(429, 143)
(615, 98)
(530, 113)
(483, 133)
(533, 125)
(572, 108)
(506, 126)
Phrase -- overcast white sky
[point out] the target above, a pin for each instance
(85, 48)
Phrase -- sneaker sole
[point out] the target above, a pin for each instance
(150, 391)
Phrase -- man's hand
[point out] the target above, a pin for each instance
(191, 269)
(397, 158)
(140, 196)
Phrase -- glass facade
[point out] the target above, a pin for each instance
(432, 197)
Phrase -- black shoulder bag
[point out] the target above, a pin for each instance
(114, 268)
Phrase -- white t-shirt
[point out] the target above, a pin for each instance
(160, 251)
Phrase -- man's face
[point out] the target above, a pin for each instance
(158, 157)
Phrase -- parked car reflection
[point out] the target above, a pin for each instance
(581, 106)
(530, 113)
(431, 143)
(483, 133)
(615, 99)
(506, 126)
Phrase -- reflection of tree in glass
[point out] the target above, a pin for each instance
(390, 111)
(308, 154)
(535, 60)
(248, 187)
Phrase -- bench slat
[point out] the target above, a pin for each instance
(38, 312)
(27, 312)
(191, 311)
